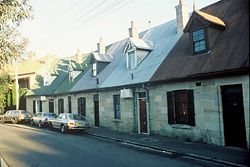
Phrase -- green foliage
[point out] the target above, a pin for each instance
(12, 44)
(5, 86)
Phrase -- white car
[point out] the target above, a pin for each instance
(42, 119)
(67, 121)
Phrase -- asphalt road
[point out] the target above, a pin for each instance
(29, 148)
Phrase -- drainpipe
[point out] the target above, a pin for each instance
(134, 110)
(218, 99)
(148, 107)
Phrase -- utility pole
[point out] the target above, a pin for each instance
(17, 86)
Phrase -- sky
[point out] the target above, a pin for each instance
(60, 27)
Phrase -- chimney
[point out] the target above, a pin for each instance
(133, 31)
(182, 16)
(101, 47)
(78, 56)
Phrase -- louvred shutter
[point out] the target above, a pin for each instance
(191, 111)
(170, 97)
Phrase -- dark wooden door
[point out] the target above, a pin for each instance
(51, 105)
(233, 116)
(96, 110)
(143, 113)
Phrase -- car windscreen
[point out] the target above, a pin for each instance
(77, 117)
(50, 114)
(24, 112)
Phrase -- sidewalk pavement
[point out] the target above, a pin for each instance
(228, 156)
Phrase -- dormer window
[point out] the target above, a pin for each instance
(94, 69)
(136, 50)
(199, 42)
(131, 60)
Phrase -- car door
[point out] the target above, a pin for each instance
(36, 118)
(7, 116)
(57, 122)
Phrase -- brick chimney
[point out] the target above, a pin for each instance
(182, 16)
(133, 33)
(101, 46)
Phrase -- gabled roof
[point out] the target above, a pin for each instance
(230, 51)
(141, 44)
(206, 19)
(211, 18)
(61, 83)
(116, 73)
(66, 85)
(102, 57)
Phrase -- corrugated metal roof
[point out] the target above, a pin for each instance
(230, 48)
(163, 38)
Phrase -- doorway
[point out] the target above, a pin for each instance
(143, 112)
(233, 116)
(96, 109)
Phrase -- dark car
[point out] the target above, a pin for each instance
(66, 122)
(42, 118)
(15, 116)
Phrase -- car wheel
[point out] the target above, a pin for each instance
(51, 126)
(2, 120)
(63, 129)
(31, 122)
(13, 120)
(40, 124)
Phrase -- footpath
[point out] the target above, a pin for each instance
(228, 156)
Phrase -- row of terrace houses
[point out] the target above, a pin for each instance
(187, 78)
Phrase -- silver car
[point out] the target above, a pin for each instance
(66, 122)
(15, 116)
(42, 119)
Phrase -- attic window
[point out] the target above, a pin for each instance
(94, 71)
(199, 42)
(131, 60)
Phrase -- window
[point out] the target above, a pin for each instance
(117, 112)
(94, 69)
(34, 106)
(60, 106)
(51, 105)
(41, 106)
(131, 61)
(69, 104)
(199, 43)
(181, 107)
(82, 106)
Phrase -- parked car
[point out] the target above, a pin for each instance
(42, 119)
(15, 116)
(66, 122)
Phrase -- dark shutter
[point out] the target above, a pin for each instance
(170, 98)
(191, 108)
(34, 106)
(41, 106)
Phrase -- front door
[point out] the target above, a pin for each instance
(96, 109)
(143, 112)
(233, 116)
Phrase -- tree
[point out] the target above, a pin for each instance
(12, 44)
(5, 87)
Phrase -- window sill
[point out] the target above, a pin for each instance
(117, 120)
(181, 126)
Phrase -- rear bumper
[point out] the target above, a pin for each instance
(78, 127)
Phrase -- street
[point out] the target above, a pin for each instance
(44, 148)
